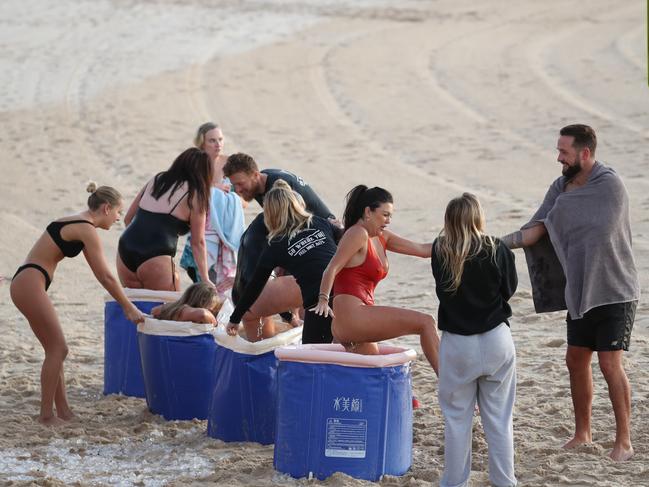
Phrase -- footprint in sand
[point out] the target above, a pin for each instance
(556, 343)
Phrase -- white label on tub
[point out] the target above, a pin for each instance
(346, 438)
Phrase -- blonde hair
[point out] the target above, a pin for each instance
(462, 238)
(102, 194)
(199, 138)
(198, 295)
(284, 213)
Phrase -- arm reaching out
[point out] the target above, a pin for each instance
(401, 245)
(94, 255)
(524, 238)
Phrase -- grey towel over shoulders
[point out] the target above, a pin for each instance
(586, 259)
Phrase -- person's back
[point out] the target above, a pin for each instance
(477, 356)
(302, 244)
(312, 201)
(305, 255)
(172, 203)
(155, 227)
(480, 301)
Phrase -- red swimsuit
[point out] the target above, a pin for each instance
(361, 280)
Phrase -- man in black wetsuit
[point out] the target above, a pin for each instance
(251, 183)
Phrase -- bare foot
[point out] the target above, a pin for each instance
(620, 454)
(66, 415)
(51, 421)
(577, 441)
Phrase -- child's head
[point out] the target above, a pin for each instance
(462, 237)
(198, 295)
(201, 295)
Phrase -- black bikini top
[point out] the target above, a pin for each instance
(69, 248)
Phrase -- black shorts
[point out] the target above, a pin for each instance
(604, 328)
(317, 329)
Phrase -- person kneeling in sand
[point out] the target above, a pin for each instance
(65, 237)
(200, 303)
(358, 265)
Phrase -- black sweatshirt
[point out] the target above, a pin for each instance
(480, 302)
(305, 256)
(250, 247)
(312, 201)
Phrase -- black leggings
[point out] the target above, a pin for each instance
(48, 280)
(317, 329)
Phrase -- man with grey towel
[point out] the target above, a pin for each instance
(578, 251)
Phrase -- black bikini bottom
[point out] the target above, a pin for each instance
(48, 280)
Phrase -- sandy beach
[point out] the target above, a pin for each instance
(427, 98)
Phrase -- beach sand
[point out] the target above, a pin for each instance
(427, 98)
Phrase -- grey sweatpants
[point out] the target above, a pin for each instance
(478, 368)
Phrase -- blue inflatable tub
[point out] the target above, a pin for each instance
(343, 412)
(122, 368)
(178, 367)
(244, 394)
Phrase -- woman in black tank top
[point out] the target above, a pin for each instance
(65, 238)
(168, 206)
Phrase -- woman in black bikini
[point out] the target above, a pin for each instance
(171, 204)
(65, 238)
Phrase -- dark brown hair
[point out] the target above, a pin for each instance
(195, 168)
(239, 162)
(361, 197)
(584, 136)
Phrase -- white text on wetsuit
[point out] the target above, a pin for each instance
(307, 243)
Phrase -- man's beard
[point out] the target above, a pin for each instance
(571, 171)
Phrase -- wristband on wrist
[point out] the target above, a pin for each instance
(323, 296)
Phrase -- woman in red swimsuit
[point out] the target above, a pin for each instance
(358, 265)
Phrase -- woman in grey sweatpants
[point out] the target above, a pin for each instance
(475, 276)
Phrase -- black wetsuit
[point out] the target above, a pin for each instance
(250, 247)
(254, 238)
(305, 256)
(312, 201)
(149, 235)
